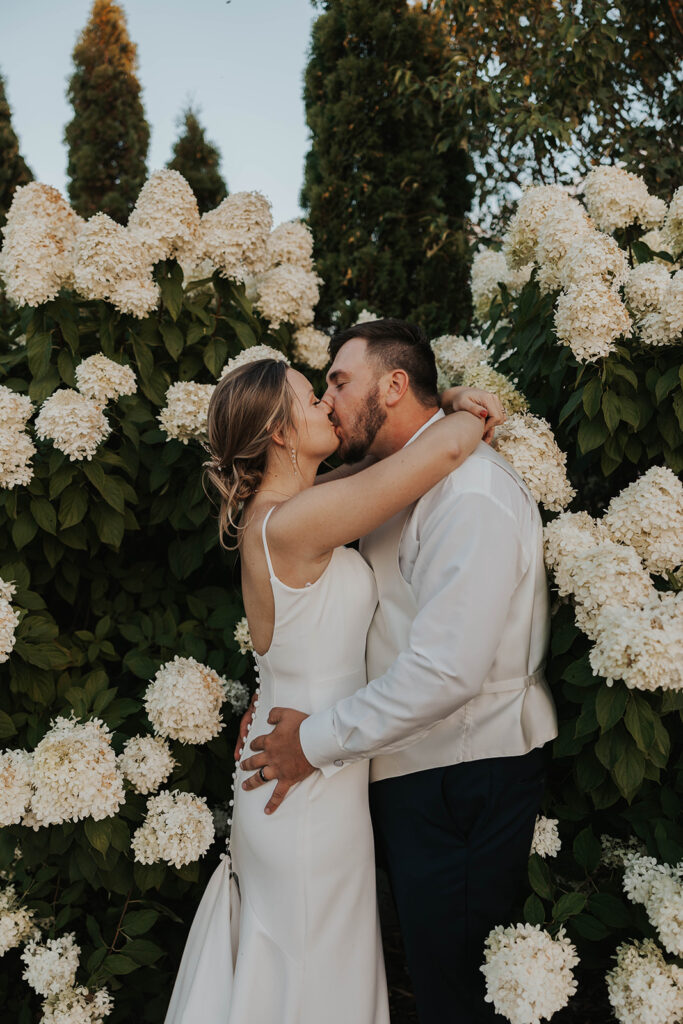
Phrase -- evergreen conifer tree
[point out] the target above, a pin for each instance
(13, 169)
(108, 136)
(386, 211)
(198, 161)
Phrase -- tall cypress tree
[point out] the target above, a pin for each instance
(198, 161)
(13, 168)
(108, 136)
(386, 211)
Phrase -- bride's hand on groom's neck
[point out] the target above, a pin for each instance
(477, 402)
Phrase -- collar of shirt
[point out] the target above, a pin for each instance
(433, 419)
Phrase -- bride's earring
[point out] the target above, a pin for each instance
(292, 455)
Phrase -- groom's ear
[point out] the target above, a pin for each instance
(397, 384)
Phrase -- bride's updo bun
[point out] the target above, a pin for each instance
(248, 405)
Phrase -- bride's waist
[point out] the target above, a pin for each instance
(307, 691)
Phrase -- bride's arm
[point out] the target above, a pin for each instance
(341, 472)
(322, 518)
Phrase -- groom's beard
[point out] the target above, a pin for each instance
(371, 416)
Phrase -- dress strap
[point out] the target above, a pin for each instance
(265, 543)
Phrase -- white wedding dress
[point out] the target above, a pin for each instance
(294, 938)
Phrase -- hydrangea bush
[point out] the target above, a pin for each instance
(124, 655)
(581, 312)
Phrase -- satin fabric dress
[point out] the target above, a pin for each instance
(289, 933)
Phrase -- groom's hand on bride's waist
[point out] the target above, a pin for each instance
(279, 756)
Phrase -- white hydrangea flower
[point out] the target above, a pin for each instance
(252, 355)
(165, 217)
(185, 415)
(291, 242)
(103, 379)
(569, 535)
(311, 347)
(178, 828)
(593, 254)
(16, 451)
(75, 774)
(615, 198)
(75, 424)
(234, 236)
(614, 851)
(673, 225)
(659, 887)
(237, 694)
(287, 294)
(111, 263)
(642, 987)
(489, 268)
(546, 841)
(606, 575)
(642, 645)
(648, 515)
(36, 260)
(455, 355)
(15, 784)
(665, 325)
(366, 317)
(561, 226)
(51, 966)
(9, 620)
(529, 974)
(243, 636)
(16, 921)
(491, 380)
(146, 762)
(184, 700)
(646, 287)
(521, 236)
(77, 1005)
(15, 409)
(589, 318)
(528, 443)
(657, 241)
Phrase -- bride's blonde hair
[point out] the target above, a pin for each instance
(248, 406)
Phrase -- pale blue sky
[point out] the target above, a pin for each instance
(241, 62)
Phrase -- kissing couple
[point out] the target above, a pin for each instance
(414, 664)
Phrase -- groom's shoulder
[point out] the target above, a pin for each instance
(485, 472)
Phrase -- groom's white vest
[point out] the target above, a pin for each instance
(514, 712)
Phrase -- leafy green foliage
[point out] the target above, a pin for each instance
(198, 161)
(386, 211)
(14, 171)
(108, 135)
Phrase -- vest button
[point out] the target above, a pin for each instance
(338, 763)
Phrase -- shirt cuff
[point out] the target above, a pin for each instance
(316, 735)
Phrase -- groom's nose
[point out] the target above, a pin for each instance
(328, 400)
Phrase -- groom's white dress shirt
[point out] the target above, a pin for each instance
(456, 649)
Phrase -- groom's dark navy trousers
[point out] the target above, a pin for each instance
(455, 842)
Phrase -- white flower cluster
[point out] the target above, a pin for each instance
(16, 921)
(521, 237)
(592, 255)
(16, 785)
(489, 271)
(36, 260)
(561, 226)
(491, 380)
(546, 841)
(648, 515)
(366, 317)
(527, 442)
(237, 694)
(528, 973)
(565, 538)
(77, 1005)
(606, 575)
(614, 851)
(51, 966)
(103, 379)
(111, 263)
(455, 355)
(646, 286)
(291, 242)
(243, 636)
(178, 828)
(185, 415)
(673, 225)
(643, 988)
(615, 198)
(16, 447)
(642, 645)
(9, 620)
(252, 355)
(589, 318)
(287, 294)
(75, 424)
(166, 216)
(659, 887)
(184, 700)
(146, 762)
(235, 235)
(664, 325)
(311, 347)
(75, 774)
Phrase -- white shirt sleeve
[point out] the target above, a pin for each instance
(469, 564)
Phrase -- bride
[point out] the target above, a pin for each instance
(287, 931)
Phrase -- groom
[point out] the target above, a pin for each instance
(456, 710)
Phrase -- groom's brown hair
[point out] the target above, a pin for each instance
(396, 345)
